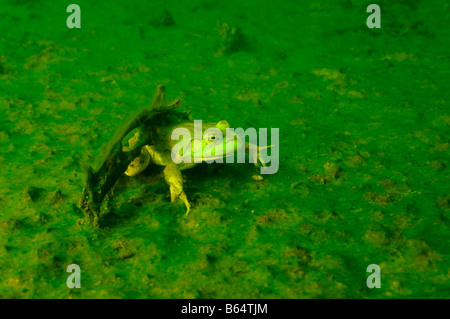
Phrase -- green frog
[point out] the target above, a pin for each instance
(152, 136)
(211, 136)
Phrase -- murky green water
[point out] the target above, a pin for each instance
(364, 139)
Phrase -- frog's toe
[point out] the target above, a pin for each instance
(183, 197)
(260, 160)
(174, 193)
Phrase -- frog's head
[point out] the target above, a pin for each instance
(212, 143)
(217, 142)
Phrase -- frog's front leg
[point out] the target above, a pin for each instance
(173, 177)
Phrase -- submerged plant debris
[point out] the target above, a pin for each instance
(100, 182)
(364, 148)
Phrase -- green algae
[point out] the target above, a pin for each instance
(364, 140)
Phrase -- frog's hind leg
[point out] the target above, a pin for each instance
(173, 177)
(254, 152)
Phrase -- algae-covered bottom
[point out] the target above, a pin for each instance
(364, 138)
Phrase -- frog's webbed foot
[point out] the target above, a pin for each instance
(173, 177)
(258, 157)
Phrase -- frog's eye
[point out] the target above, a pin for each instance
(212, 137)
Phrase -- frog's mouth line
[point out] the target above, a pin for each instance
(199, 159)
(189, 158)
(216, 157)
(228, 145)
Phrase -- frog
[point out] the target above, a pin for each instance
(147, 139)
(161, 152)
